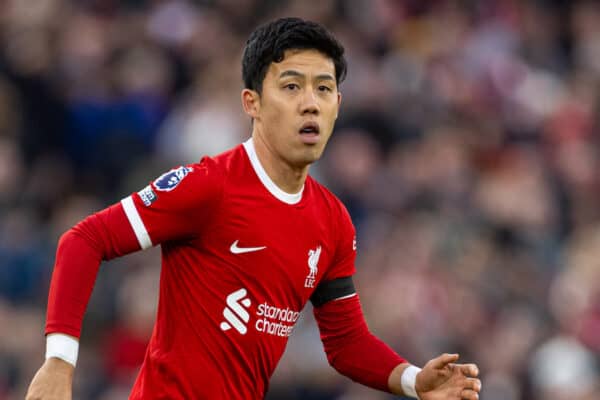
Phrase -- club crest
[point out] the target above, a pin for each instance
(313, 261)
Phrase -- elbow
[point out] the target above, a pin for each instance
(76, 241)
(70, 238)
(65, 237)
(340, 367)
(66, 240)
(344, 364)
(84, 234)
(331, 350)
(337, 352)
(333, 361)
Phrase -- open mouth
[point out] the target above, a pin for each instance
(310, 128)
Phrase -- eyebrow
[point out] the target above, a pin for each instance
(291, 72)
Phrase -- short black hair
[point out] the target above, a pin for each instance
(268, 43)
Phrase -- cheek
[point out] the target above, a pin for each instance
(275, 110)
(276, 121)
(331, 116)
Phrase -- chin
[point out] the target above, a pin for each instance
(313, 156)
(302, 160)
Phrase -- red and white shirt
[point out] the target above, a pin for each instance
(240, 259)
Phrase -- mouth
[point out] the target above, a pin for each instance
(309, 132)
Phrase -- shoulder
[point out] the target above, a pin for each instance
(216, 168)
(322, 194)
(228, 160)
(205, 178)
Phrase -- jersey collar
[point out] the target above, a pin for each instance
(289, 198)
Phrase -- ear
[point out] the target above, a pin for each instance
(339, 102)
(251, 102)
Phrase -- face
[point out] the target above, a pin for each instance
(296, 111)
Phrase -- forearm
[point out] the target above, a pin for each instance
(101, 236)
(73, 278)
(352, 350)
(368, 361)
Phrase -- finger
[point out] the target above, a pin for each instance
(469, 395)
(473, 384)
(443, 360)
(469, 370)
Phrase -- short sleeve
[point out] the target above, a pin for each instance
(176, 205)
(345, 254)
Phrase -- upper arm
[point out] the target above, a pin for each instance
(337, 282)
(176, 205)
(336, 289)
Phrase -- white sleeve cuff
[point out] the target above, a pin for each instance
(408, 381)
(62, 346)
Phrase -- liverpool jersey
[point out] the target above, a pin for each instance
(240, 259)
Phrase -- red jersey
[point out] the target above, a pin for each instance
(240, 260)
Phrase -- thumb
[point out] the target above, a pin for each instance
(443, 360)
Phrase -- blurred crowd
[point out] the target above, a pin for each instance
(467, 152)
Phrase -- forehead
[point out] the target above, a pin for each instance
(303, 61)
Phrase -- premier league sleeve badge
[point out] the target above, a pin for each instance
(169, 180)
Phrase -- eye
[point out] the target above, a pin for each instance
(324, 88)
(292, 86)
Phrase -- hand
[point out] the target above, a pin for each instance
(441, 379)
(53, 381)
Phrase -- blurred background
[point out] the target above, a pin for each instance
(467, 151)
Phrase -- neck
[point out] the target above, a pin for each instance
(287, 177)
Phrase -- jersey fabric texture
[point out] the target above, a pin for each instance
(240, 259)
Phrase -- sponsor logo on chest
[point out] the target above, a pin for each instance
(270, 319)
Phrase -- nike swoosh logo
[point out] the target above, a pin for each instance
(240, 250)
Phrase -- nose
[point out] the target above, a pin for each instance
(310, 104)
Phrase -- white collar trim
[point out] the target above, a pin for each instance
(289, 198)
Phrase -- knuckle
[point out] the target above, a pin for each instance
(469, 395)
